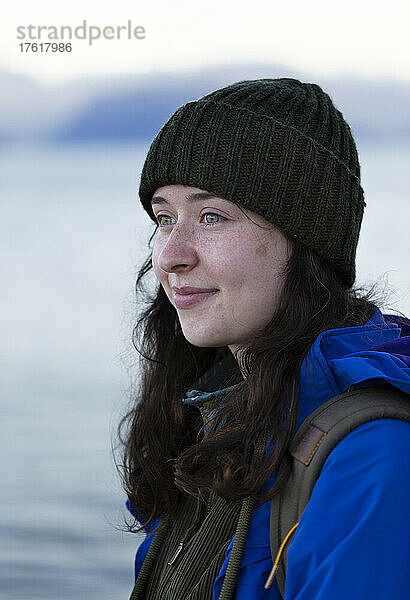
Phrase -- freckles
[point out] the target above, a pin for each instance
(262, 250)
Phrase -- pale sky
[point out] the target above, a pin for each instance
(369, 39)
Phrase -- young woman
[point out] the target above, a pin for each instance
(255, 322)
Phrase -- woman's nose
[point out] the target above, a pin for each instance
(178, 250)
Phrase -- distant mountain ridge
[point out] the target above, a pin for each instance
(130, 108)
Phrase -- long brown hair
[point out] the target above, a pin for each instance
(163, 449)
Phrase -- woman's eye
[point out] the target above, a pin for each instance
(162, 224)
(159, 217)
(213, 215)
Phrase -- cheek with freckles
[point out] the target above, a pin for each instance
(261, 283)
(262, 250)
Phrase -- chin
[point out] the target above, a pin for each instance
(204, 341)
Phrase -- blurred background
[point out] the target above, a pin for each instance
(74, 130)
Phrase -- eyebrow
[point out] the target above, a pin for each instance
(194, 197)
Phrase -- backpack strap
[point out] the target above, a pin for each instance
(310, 447)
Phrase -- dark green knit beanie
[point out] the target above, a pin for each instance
(277, 147)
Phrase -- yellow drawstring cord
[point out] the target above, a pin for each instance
(285, 541)
(278, 557)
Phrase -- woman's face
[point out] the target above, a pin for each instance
(222, 251)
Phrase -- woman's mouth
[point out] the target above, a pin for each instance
(189, 300)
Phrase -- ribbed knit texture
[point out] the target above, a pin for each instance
(206, 538)
(277, 147)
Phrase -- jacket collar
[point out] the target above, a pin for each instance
(340, 358)
(365, 355)
(214, 387)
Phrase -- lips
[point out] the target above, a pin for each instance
(187, 300)
(183, 291)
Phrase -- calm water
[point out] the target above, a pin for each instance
(72, 236)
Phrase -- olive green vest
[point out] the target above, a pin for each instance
(193, 551)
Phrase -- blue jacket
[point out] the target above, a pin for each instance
(353, 537)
